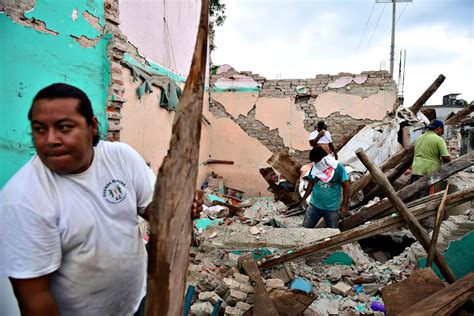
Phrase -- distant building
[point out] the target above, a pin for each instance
(451, 104)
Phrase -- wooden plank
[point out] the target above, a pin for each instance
(170, 222)
(445, 301)
(280, 194)
(459, 116)
(445, 171)
(379, 226)
(285, 165)
(389, 163)
(427, 94)
(439, 220)
(413, 224)
(400, 296)
(263, 304)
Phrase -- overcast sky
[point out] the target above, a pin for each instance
(302, 38)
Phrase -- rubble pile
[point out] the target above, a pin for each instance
(251, 253)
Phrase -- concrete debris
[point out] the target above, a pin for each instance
(259, 227)
(274, 284)
(341, 288)
(201, 308)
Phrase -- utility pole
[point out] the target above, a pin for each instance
(394, 22)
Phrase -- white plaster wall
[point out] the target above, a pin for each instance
(162, 30)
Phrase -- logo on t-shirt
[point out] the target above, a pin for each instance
(114, 191)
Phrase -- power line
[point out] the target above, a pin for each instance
(403, 10)
(365, 27)
(380, 16)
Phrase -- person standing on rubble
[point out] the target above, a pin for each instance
(322, 137)
(69, 230)
(430, 149)
(326, 180)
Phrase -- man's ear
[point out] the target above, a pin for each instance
(95, 126)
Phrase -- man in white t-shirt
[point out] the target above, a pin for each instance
(322, 137)
(70, 241)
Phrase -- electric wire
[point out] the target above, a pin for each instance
(365, 27)
(375, 28)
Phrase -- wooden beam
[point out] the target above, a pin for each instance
(170, 222)
(459, 116)
(400, 296)
(413, 224)
(421, 211)
(445, 171)
(439, 220)
(282, 162)
(280, 194)
(427, 94)
(446, 301)
(263, 304)
(390, 163)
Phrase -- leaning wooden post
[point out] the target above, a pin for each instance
(170, 222)
(411, 220)
(427, 94)
(439, 220)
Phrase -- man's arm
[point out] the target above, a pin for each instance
(309, 189)
(314, 142)
(34, 296)
(331, 146)
(446, 159)
(346, 192)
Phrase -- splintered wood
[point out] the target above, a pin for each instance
(170, 222)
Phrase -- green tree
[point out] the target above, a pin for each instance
(216, 18)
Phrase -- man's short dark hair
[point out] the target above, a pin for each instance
(317, 153)
(63, 91)
(322, 125)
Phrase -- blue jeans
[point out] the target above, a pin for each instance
(314, 214)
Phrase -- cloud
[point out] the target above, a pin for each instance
(299, 39)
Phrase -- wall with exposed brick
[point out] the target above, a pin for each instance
(280, 114)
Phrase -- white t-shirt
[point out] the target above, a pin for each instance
(82, 228)
(325, 139)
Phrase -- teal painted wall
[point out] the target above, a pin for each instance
(32, 60)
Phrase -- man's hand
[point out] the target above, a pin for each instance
(196, 209)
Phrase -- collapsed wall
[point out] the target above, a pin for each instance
(281, 113)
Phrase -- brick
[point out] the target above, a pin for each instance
(201, 308)
(211, 297)
(341, 288)
(232, 311)
(243, 306)
(234, 296)
(274, 283)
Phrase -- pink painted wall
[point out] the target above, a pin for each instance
(147, 127)
(282, 114)
(230, 142)
(162, 30)
(374, 107)
(236, 103)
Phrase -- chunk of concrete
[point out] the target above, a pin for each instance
(243, 306)
(233, 311)
(201, 308)
(242, 278)
(341, 288)
(234, 296)
(274, 284)
(211, 297)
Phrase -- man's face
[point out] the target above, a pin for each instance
(61, 135)
(439, 131)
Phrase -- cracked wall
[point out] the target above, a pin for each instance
(280, 114)
(39, 48)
